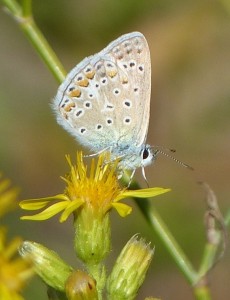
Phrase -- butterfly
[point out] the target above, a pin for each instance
(104, 102)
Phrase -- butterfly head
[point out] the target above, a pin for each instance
(135, 157)
(148, 155)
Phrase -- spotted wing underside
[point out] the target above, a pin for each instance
(105, 99)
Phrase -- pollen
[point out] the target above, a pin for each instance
(98, 188)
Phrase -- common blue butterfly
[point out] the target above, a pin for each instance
(104, 102)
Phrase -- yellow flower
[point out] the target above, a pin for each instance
(97, 189)
(14, 271)
(7, 196)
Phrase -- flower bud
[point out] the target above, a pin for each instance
(80, 286)
(92, 236)
(47, 264)
(129, 270)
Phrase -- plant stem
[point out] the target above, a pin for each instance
(24, 18)
(26, 7)
(98, 272)
(196, 279)
(169, 241)
(227, 218)
(208, 259)
(202, 292)
(156, 222)
(13, 7)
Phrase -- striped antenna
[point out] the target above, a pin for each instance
(162, 150)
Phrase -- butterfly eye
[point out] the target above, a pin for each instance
(145, 153)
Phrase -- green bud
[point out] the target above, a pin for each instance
(47, 264)
(80, 286)
(129, 270)
(92, 236)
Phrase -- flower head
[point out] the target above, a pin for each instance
(98, 189)
(7, 196)
(14, 271)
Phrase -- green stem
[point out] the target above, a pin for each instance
(13, 7)
(200, 287)
(227, 218)
(98, 272)
(202, 292)
(41, 45)
(156, 222)
(25, 19)
(168, 240)
(26, 8)
(196, 279)
(208, 259)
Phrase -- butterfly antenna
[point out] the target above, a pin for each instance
(162, 151)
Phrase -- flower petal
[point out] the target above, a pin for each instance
(142, 193)
(34, 204)
(47, 213)
(122, 209)
(70, 208)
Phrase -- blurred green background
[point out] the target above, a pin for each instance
(190, 111)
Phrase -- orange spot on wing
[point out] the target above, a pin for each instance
(69, 106)
(90, 75)
(124, 80)
(112, 73)
(75, 93)
(65, 116)
(83, 82)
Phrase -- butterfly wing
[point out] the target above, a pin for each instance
(105, 100)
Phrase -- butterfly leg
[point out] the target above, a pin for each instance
(144, 176)
(131, 177)
(97, 153)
